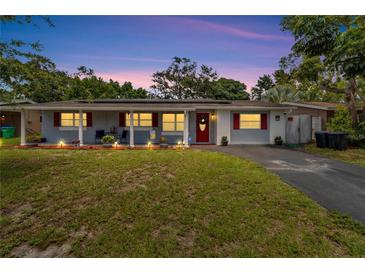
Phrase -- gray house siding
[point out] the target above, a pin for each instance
(250, 136)
(104, 120)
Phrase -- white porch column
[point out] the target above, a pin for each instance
(186, 128)
(131, 129)
(22, 128)
(81, 133)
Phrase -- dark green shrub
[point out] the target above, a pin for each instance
(341, 121)
(224, 141)
(108, 139)
(357, 138)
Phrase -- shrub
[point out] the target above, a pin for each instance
(108, 139)
(224, 141)
(278, 140)
(341, 121)
(33, 138)
(357, 139)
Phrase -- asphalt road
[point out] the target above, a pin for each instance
(333, 184)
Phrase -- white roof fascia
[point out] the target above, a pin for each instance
(308, 106)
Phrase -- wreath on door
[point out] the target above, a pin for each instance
(202, 123)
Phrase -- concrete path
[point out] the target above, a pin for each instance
(333, 184)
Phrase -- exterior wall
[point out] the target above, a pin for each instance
(250, 136)
(223, 125)
(33, 118)
(313, 112)
(12, 119)
(104, 120)
(277, 128)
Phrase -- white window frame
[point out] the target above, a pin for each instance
(252, 121)
(75, 121)
(137, 122)
(175, 122)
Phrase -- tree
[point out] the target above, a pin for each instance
(306, 75)
(229, 89)
(337, 40)
(86, 85)
(178, 81)
(21, 65)
(280, 94)
(183, 79)
(26, 73)
(264, 83)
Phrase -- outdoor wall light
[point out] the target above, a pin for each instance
(61, 143)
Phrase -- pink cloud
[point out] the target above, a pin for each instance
(239, 32)
(247, 75)
(143, 78)
(121, 58)
(139, 78)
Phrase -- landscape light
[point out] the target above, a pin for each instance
(115, 144)
(61, 143)
(149, 144)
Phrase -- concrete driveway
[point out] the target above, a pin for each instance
(333, 184)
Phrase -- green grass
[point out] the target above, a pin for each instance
(9, 142)
(352, 155)
(160, 204)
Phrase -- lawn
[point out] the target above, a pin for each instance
(135, 203)
(352, 155)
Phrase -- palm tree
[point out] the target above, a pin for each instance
(280, 94)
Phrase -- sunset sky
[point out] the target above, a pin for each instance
(131, 48)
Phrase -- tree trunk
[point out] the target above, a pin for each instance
(350, 94)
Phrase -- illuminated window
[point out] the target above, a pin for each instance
(173, 122)
(250, 121)
(140, 119)
(72, 119)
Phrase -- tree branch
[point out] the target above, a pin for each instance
(332, 89)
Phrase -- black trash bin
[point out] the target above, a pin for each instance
(337, 140)
(322, 139)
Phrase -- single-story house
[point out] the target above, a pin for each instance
(12, 118)
(324, 111)
(140, 121)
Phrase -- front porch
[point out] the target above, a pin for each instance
(133, 128)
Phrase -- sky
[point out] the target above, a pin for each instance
(132, 48)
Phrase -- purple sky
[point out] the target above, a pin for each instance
(131, 48)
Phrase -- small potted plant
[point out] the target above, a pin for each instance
(163, 142)
(278, 141)
(108, 140)
(224, 141)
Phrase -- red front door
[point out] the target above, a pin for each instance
(202, 127)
